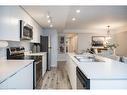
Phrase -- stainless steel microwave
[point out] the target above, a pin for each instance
(26, 31)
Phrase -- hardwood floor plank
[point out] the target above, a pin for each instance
(57, 78)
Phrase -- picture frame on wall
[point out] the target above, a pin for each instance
(62, 44)
(98, 41)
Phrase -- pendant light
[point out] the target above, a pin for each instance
(108, 33)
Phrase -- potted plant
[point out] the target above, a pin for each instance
(112, 46)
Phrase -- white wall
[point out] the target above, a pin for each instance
(83, 38)
(61, 56)
(121, 40)
(3, 53)
(73, 46)
(54, 45)
(82, 41)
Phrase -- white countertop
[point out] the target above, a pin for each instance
(35, 54)
(10, 67)
(110, 69)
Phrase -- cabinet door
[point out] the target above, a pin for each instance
(44, 64)
(9, 23)
(4, 23)
(36, 32)
(73, 74)
(71, 69)
(23, 79)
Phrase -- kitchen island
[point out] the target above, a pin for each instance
(16, 74)
(104, 74)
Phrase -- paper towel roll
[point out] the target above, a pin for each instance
(3, 44)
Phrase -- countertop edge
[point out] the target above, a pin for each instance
(16, 71)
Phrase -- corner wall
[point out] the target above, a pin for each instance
(121, 40)
(54, 45)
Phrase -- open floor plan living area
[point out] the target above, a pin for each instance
(63, 47)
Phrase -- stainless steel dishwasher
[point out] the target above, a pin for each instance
(82, 81)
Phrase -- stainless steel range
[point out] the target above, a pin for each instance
(17, 53)
(37, 69)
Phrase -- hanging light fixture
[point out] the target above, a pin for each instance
(49, 20)
(108, 33)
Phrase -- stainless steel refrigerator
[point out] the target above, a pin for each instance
(45, 46)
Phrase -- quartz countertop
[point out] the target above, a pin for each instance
(34, 54)
(109, 69)
(10, 67)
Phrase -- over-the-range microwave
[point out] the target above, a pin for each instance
(26, 31)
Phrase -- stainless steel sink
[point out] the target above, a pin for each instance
(84, 60)
(87, 59)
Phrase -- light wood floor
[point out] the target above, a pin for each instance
(57, 78)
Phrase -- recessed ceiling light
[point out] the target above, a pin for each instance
(51, 25)
(78, 11)
(73, 19)
(48, 16)
(49, 21)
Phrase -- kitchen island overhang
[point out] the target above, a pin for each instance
(109, 74)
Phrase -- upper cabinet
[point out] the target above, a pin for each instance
(36, 32)
(7, 29)
(10, 26)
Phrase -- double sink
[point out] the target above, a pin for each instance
(83, 58)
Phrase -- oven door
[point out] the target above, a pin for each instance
(82, 81)
(37, 72)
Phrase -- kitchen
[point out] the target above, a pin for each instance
(81, 48)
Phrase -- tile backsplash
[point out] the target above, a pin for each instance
(2, 53)
(25, 44)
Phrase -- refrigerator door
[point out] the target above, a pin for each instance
(49, 54)
(45, 47)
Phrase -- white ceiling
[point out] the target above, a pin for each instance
(90, 19)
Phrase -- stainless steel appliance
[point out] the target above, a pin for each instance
(17, 53)
(82, 81)
(35, 47)
(45, 46)
(26, 31)
(37, 69)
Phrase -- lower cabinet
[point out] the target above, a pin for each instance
(44, 64)
(23, 79)
(71, 70)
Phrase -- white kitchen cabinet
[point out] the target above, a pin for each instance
(7, 26)
(10, 26)
(23, 79)
(36, 32)
(44, 64)
(71, 69)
